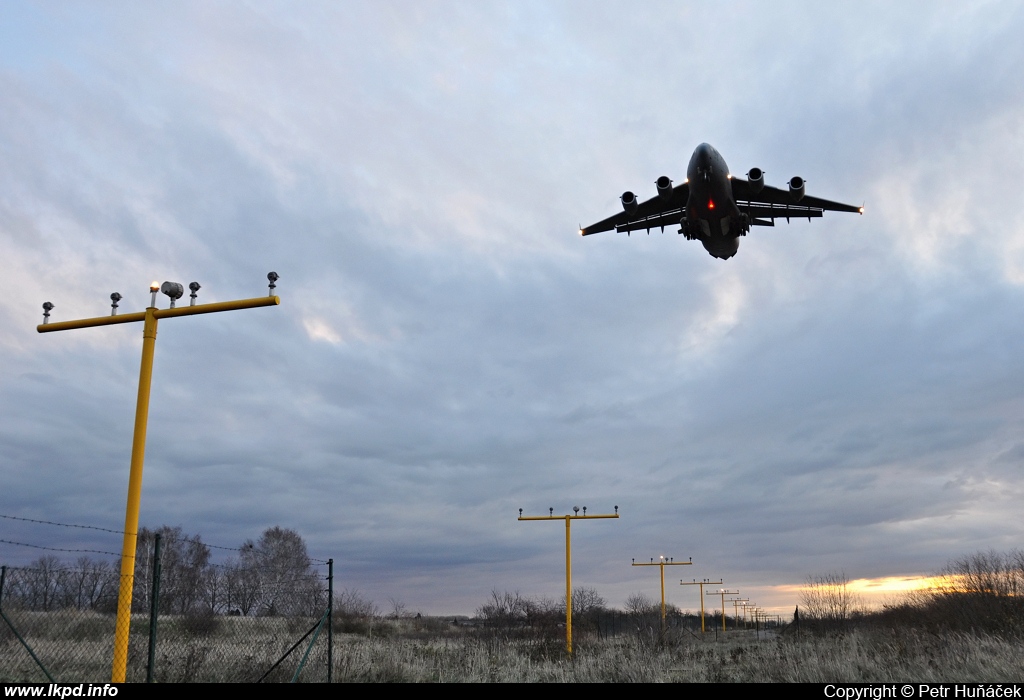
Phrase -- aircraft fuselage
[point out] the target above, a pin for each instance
(712, 216)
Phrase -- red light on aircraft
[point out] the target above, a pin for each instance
(711, 204)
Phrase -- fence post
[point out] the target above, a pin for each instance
(154, 609)
(330, 618)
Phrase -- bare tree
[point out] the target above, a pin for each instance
(90, 585)
(504, 609)
(40, 586)
(185, 566)
(828, 599)
(286, 582)
(353, 612)
(585, 601)
(639, 605)
(241, 578)
(351, 603)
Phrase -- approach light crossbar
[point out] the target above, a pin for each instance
(149, 318)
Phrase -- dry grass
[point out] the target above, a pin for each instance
(859, 656)
(241, 649)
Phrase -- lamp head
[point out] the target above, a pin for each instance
(173, 290)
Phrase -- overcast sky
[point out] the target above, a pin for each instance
(844, 394)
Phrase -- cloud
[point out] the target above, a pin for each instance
(841, 394)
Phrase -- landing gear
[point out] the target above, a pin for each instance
(684, 229)
(744, 225)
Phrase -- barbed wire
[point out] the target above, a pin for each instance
(190, 539)
(59, 549)
(50, 522)
(278, 584)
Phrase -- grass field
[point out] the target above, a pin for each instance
(431, 650)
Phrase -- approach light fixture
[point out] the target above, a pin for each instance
(114, 298)
(47, 308)
(194, 287)
(154, 287)
(273, 277)
(172, 290)
(576, 509)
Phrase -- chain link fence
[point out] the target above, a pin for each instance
(234, 623)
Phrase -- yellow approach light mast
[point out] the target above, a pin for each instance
(723, 593)
(736, 602)
(662, 563)
(149, 318)
(568, 557)
(705, 582)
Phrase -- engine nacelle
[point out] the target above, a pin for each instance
(664, 187)
(756, 179)
(629, 202)
(796, 188)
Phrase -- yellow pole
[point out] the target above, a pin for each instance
(568, 558)
(568, 586)
(662, 563)
(662, 567)
(702, 608)
(131, 516)
(701, 584)
(724, 593)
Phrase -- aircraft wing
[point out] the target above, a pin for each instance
(781, 203)
(656, 211)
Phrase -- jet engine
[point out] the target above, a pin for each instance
(796, 188)
(756, 179)
(629, 203)
(664, 187)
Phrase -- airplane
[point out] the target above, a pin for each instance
(714, 207)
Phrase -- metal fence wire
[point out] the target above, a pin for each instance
(228, 625)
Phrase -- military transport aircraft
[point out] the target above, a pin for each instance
(714, 207)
